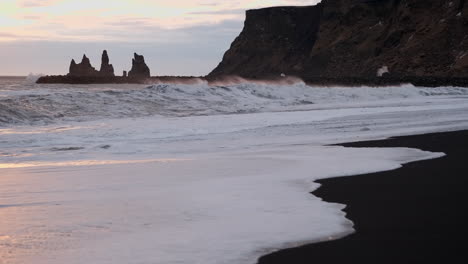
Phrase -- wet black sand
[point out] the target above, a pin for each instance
(414, 214)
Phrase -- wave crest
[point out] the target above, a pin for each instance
(49, 103)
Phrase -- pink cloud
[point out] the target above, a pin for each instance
(37, 3)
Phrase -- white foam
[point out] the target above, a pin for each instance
(221, 188)
(224, 208)
(382, 70)
(44, 104)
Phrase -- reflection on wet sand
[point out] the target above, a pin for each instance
(83, 163)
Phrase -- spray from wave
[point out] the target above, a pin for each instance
(33, 77)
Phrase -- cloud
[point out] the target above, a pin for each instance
(32, 17)
(142, 31)
(176, 37)
(237, 11)
(131, 22)
(37, 3)
(8, 35)
(186, 51)
(122, 20)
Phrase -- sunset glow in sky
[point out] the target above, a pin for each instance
(43, 35)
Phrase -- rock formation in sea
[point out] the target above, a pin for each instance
(85, 73)
(83, 68)
(352, 39)
(106, 68)
(139, 67)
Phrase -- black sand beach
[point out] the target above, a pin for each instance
(414, 214)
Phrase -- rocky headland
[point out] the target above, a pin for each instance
(354, 42)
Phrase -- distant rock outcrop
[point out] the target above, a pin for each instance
(106, 68)
(83, 68)
(85, 73)
(139, 67)
(352, 39)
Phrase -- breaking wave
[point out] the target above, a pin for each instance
(42, 104)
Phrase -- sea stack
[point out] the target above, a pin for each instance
(106, 68)
(139, 67)
(82, 69)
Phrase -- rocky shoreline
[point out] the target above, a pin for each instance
(312, 81)
(387, 81)
(67, 79)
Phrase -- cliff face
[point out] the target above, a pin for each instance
(352, 38)
(273, 41)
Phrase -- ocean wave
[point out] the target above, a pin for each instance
(42, 104)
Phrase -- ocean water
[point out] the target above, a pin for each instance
(171, 173)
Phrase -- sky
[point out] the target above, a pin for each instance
(178, 37)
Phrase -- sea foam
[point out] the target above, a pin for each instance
(45, 104)
(193, 174)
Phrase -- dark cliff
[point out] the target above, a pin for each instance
(352, 39)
